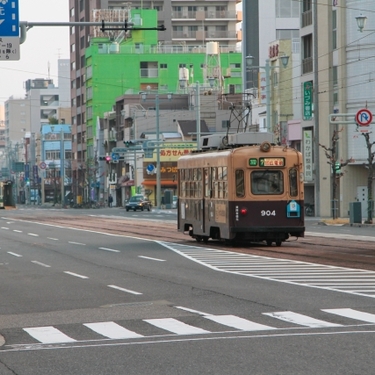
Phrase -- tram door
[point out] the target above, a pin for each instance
(206, 196)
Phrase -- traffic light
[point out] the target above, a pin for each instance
(337, 168)
(106, 158)
(129, 143)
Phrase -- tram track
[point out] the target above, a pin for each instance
(315, 249)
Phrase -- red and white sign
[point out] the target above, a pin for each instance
(363, 117)
(42, 165)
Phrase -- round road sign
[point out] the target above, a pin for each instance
(363, 117)
(42, 165)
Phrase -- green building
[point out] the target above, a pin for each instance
(138, 63)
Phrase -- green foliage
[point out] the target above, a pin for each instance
(53, 121)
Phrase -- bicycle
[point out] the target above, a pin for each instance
(309, 209)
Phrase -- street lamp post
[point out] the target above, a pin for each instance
(158, 172)
(361, 23)
(267, 68)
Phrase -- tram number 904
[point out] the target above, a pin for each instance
(268, 213)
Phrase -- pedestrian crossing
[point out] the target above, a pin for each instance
(341, 279)
(195, 323)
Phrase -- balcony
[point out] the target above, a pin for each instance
(307, 65)
(149, 73)
(205, 16)
(307, 18)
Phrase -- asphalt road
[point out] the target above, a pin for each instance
(80, 302)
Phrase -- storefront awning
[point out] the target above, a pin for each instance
(162, 182)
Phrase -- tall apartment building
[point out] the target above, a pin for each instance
(337, 63)
(264, 22)
(188, 25)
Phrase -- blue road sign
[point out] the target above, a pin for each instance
(9, 18)
(115, 157)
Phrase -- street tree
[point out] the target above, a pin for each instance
(370, 176)
(336, 165)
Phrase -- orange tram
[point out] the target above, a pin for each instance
(240, 191)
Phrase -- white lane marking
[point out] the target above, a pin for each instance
(112, 330)
(76, 275)
(300, 319)
(124, 290)
(144, 257)
(108, 249)
(353, 314)
(175, 326)
(33, 234)
(17, 231)
(216, 260)
(48, 335)
(14, 254)
(76, 243)
(40, 264)
(178, 339)
(4, 228)
(53, 239)
(237, 322)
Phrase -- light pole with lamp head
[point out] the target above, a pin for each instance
(158, 174)
(267, 68)
(361, 23)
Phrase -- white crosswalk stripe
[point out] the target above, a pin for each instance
(340, 279)
(353, 314)
(48, 335)
(237, 323)
(291, 317)
(175, 326)
(112, 330)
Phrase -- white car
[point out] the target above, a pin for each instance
(174, 201)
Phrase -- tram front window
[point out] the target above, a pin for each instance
(267, 182)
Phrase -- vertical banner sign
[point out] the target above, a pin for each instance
(35, 174)
(307, 100)
(27, 171)
(262, 88)
(307, 155)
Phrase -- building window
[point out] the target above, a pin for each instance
(335, 78)
(163, 66)
(334, 29)
(287, 9)
(225, 124)
(290, 34)
(275, 79)
(72, 48)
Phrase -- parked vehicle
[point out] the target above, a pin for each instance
(174, 201)
(138, 202)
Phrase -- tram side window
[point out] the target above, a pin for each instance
(267, 182)
(207, 186)
(293, 182)
(240, 183)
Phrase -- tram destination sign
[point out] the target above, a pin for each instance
(267, 162)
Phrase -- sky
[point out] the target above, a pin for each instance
(42, 48)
